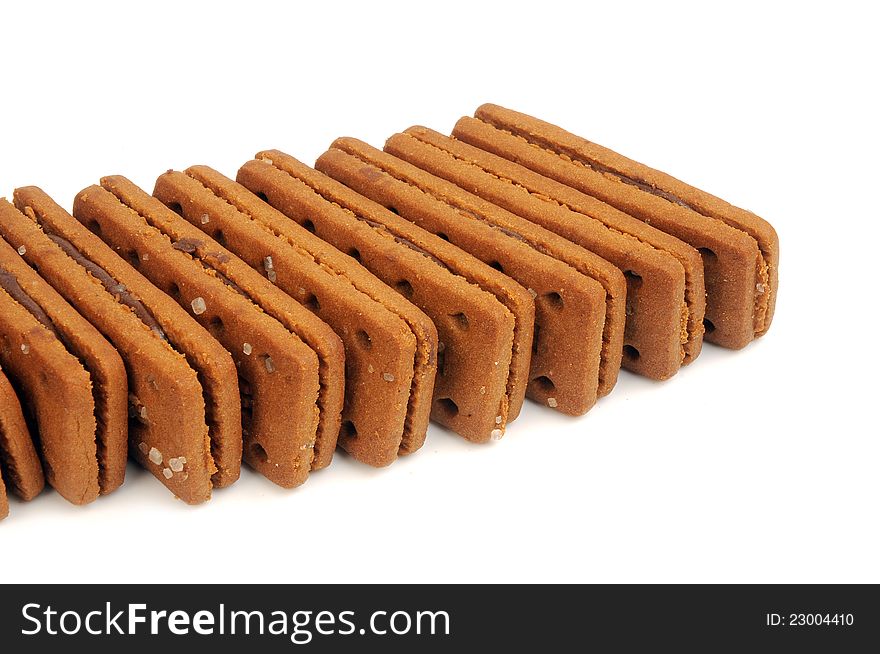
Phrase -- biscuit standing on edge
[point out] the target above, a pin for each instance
(278, 373)
(390, 346)
(579, 297)
(484, 319)
(53, 383)
(665, 298)
(275, 303)
(740, 250)
(20, 468)
(185, 425)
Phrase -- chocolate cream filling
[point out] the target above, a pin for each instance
(9, 283)
(117, 290)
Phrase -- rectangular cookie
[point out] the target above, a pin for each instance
(183, 405)
(665, 298)
(579, 297)
(95, 353)
(740, 250)
(20, 468)
(484, 319)
(390, 346)
(277, 371)
(52, 382)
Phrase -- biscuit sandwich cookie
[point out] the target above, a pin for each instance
(278, 373)
(740, 250)
(484, 319)
(183, 404)
(579, 297)
(68, 377)
(390, 345)
(665, 298)
(20, 469)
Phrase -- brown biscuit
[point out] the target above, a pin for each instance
(484, 320)
(185, 417)
(740, 250)
(665, 293)
(55, 387)
(569, 283)
(20, 467)
(390, 349)
(276, 305)
(277, 372)
(97, 355)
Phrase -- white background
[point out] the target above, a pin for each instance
(751, 466)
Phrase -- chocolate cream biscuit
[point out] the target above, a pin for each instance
(277, 372)
(390, 346)
(20, 468)
(579, 297)
(665, 293)
(276, 304)
(98, 356)
(484, 319)
(184, 412)
(740, 250)
(55, 386)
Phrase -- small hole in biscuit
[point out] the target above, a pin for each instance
(447, 407)
(311, 303)
(630, 353)
(176, 208)
(554, 299)
(308, 225)
(443, 236)
(355, 254)
(404, 288)
(708, 325)
(364, 340)
(708, 255)
(347, 430)
(263, 197)
(215, 326)
(94, 226)
(544, 384)
(174, 290)
(220, 237)
(132, 257)
(496, 265)
(259, 453)
(461, 321)
(633, 280)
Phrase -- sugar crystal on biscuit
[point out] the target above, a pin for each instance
(760, 288)
(247, 348)
(387, 376)
(25, 348)
(167, 473)
(204, 219)
(552, 403)
(22, 250)
(270, 268)
(176, 465)
(144, 448)
(198, 306)
(270, 365)
(498, 420)
(496, 434)
(155, 456)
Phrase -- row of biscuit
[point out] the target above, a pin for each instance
(270, 318)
